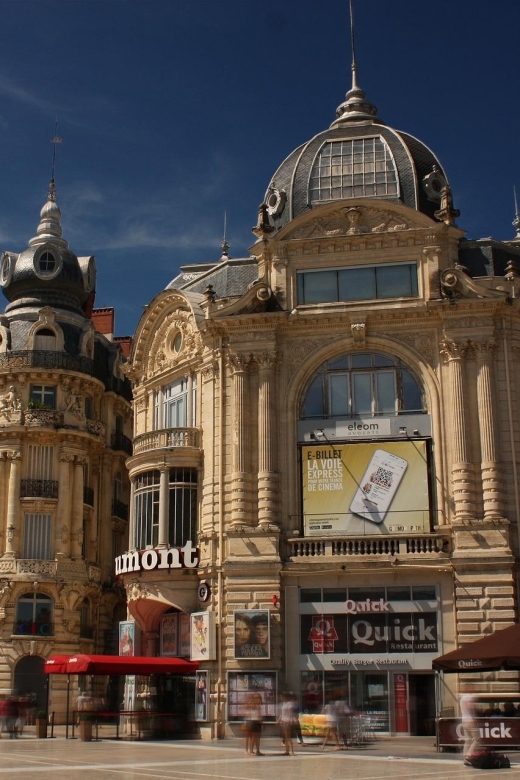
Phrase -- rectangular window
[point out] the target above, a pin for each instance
(359, 283)
(182, 518)
(40, 462)
(37, 537)
(43, 395)
(147, 510)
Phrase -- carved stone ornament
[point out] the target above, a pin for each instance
(423, 343)
(357, 220)
(455, 283)
(135, 590)
(174, 341)
(358, 330)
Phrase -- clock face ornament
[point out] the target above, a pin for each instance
(204, 591)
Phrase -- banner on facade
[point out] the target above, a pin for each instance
(201, 696)
(127, 638)
(398, 632)
(203, 636)
(363, 489)
(252, 634)
(169, 634)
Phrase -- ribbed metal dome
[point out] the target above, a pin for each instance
(358, 156)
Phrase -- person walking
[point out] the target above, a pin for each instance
(331, 717)
(255, 724)
(468, 711)
(287, 724)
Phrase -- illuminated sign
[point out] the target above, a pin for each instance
(365, 488)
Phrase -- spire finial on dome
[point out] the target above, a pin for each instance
(355, 105)
(224, 245)
(49, 228)
(516, 221)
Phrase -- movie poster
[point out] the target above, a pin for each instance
(252, 634)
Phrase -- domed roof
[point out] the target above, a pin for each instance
(359, 156)
(47, 273)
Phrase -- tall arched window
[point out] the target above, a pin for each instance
(34, 615)
(362, 385)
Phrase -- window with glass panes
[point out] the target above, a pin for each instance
(359, 283)
(362, 384)
(360, 168)
(175, 404)
(182, 515)
(44, 395)
(146, 503)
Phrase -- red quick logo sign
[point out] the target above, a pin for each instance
(353, 607)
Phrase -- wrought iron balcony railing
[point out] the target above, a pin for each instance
(121, 442)
(38, 488)
(119, 509)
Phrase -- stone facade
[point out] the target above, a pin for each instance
(65, 433)
(226, 366)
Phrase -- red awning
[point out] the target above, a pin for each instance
(56, 665)
(116, 665)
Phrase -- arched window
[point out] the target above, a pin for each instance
(85, 623)
(45, 339)
(362, 385)
(34, 615)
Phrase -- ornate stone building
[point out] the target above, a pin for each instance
(65, 428)
(334, 424)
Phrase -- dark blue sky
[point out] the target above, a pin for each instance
(174, 111)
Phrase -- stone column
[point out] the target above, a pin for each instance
(13, 503)
(131, 516)
(3, 505)
(240, 513)
(163, 506)
(492, 486)
(63, 511)
(461, 470)
(267, 473)
(77, 508)
(210, 417)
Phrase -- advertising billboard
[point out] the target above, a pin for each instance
(252, 634)
(367, 488)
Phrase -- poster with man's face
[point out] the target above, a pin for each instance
(252, 633)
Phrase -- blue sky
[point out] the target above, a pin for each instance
(174, 111)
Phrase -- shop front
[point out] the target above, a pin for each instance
(371, 648)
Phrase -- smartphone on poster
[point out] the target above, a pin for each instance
(378, 486)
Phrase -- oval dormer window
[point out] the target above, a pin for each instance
(47, 264)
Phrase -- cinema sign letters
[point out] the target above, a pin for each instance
(164, 558)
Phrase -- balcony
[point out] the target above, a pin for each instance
(412, 546)
(38, 488)
(96, 427)
(121, 442)
(167, 438)
(88, 496)
(43, 418)
(119, 509)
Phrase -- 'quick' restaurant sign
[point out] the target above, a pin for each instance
(164, 558)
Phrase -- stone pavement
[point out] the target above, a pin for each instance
(389, 757)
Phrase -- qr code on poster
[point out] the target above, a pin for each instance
(382, 477)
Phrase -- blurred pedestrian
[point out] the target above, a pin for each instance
(331, 718)
(287, 724)
(468, 711)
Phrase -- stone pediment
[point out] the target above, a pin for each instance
(355, 221)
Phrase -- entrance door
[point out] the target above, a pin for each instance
(422, 704)
(30, 678)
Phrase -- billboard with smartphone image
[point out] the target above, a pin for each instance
(365, 489)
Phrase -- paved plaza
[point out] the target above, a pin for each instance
(390, 758)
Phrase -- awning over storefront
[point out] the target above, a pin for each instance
(501, 650)
(57, 664)
(116, 665)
